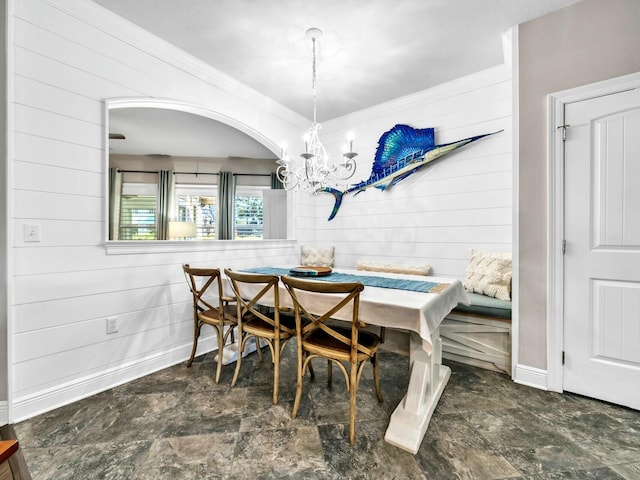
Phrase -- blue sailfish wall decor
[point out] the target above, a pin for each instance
(401, 151)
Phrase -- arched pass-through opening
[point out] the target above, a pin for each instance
(144, 136)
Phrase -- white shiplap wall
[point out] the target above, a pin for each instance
(68, 57)
(438, 214)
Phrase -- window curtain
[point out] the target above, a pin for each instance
(276, 184)
(226, 200)
(115, 193)
(165, 203)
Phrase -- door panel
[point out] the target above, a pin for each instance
(602, 261)
(617, 182)
(616, 308)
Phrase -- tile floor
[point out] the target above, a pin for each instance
(178, 424)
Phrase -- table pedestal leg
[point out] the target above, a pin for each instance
(427, 380)
(230, 352)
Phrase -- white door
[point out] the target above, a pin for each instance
(602, 259)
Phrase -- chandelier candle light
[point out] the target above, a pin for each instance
(315, 171)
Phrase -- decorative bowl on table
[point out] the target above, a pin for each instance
(310, 271)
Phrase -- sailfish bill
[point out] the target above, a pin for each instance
(401, 151)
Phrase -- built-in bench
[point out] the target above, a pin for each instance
(479, 334)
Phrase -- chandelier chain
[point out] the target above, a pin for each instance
(314, 82)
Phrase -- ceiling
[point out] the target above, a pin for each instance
(371, 51)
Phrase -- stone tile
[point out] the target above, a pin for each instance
(469, 391)
(392, 395)
(204, 381)
(592, 404)
(515, 427)
(453, 449)
(178, 423)
(256, 373)
(551, 459)
(605, 437)
(62, 425)
(370, 458)
(627, 416)
(203, 413)
(393, 368)
(86, 462)
(262, 414)
(129, 417)
(285, 453)
(604, 473)
(331, 403)
(628, 471)
(188, 458)
(227, 372)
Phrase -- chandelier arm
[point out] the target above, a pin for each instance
(287, 177)
(345, 170)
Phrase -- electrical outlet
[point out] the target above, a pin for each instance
(112, 325)
(31, 232)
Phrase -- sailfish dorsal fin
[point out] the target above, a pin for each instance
(398, 143)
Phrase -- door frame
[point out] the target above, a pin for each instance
(555, 211)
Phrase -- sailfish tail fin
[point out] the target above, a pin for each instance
(337, 195)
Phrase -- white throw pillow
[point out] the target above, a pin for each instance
(489, 274)
(394, 268)
(317, 256)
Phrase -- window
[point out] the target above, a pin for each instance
(248, 213)
(198, 204)
(193, 203)
(138, 212)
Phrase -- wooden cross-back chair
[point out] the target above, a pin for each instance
(268, 325)
(337, 342)
(220, 314)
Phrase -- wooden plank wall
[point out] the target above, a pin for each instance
(67, 58)
(438, 214)
(66, 62)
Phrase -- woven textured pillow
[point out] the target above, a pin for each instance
(489, 274)
(394, 268)
(317, 256)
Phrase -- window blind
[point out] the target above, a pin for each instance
(248, 213)
(138, 217)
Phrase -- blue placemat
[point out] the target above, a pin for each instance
(367, 280)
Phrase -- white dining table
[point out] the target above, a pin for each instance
(418, 315)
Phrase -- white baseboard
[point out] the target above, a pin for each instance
(77, 389)
(531, 376)
(4, 412)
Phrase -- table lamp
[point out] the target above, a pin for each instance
(181, 230)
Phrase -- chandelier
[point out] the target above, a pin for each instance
(315, 170)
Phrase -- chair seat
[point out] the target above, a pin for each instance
(324, 344)
(212, 316)
(256, 326)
